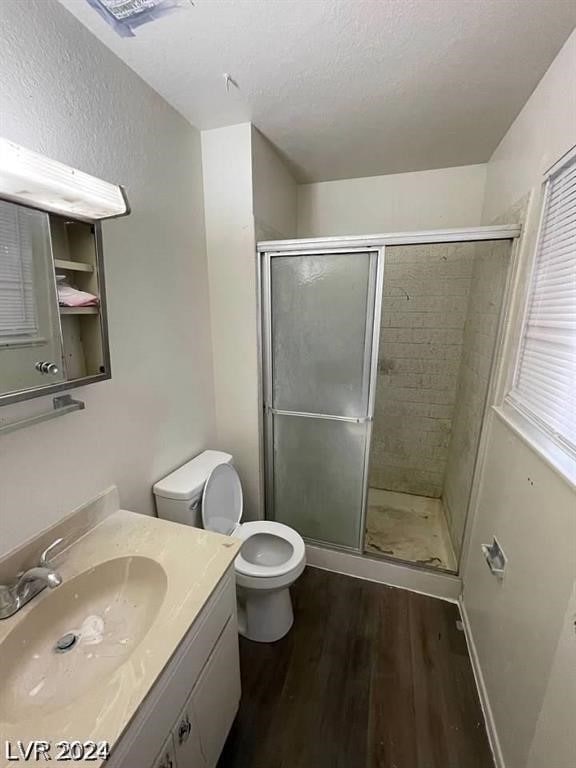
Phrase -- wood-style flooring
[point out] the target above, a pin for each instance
(369, 677)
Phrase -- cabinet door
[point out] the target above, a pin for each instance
(166, 758)
(216, 695)
(186, 741)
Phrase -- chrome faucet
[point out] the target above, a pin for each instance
(28, 584)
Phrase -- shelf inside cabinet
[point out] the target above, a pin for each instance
(76, 266)
(79, 310)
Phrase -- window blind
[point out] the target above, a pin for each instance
(17, 302)
(545, 382)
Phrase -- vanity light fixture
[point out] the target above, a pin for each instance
(38, 182)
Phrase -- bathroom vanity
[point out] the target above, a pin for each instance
(153, 670)
(196, 698)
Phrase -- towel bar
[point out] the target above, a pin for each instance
(61, 405)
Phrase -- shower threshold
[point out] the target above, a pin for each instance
(408, 528)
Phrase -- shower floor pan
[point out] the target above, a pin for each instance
(409, 528)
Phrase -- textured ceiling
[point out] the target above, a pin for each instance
(348, 88)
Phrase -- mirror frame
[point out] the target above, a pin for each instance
(18, 396)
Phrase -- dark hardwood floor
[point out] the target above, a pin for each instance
(368, 677)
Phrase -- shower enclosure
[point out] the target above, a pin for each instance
(376, 360)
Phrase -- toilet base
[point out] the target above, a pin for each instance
(264, 615)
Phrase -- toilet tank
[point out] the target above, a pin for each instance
(179, 495)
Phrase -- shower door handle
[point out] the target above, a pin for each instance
(328, 416)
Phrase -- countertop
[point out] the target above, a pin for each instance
(194, 561)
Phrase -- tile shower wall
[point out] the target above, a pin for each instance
(488, 284)
(426, 291)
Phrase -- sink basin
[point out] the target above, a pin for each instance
(100, 617)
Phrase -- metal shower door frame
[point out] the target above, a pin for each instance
(363, 243)
(372, 340)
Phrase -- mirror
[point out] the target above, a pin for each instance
(53, 332)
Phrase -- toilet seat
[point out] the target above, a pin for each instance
(271, 551)
(222, 500)
(247, 563)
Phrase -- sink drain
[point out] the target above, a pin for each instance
(66, 642)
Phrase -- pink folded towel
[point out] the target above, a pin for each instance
(70, 297)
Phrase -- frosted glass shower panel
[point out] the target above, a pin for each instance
(318, 477)
(321, 315)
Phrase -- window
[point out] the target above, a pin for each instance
(17, 302)
(545, 381)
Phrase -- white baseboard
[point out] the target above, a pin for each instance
(482, 692)
(441, 585)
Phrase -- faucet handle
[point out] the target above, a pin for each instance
(44, 556)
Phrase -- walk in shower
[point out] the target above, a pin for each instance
(376, 357)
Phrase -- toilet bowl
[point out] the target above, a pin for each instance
(271, 559)
(207, 491)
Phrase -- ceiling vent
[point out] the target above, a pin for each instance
(124, 16)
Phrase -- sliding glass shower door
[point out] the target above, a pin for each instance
(318, 350)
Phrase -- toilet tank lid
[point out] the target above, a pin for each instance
(186, 482)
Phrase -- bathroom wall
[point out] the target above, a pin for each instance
(237, 159)
(555, 727)
(489, 271)
(426, 291)
(518, 624)
(64, 94)
(249, 194)
(442, 198)
(274, 191)
(231, 243)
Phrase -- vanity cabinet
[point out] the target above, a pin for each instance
(167, 757)
(185, 719)
(203, 725)
(186, 740)
(216, 695)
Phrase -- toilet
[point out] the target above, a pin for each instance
(206, 492)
